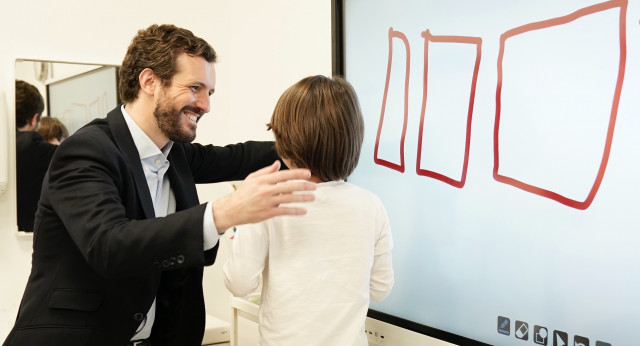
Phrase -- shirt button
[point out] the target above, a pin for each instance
(158, 162)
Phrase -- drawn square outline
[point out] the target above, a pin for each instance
(448, 39)
(622, 4)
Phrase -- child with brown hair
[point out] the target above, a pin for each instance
(52, 130)
(319, 271)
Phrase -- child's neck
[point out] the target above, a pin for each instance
(315, 179)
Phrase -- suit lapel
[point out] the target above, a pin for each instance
(124, 141)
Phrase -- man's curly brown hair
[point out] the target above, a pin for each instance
(157, 47)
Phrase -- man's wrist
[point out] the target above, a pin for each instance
(209, 229)
(219, 216)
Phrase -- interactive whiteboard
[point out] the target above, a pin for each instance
(504, 139)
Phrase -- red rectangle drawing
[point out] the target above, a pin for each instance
(555, 119)
(449, 109)
(403, 99)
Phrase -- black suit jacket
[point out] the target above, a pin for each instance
(100, 257)
(33, 155)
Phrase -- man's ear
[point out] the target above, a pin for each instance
(33, 121)
(148, 81)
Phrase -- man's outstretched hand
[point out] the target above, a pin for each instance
(260, 195)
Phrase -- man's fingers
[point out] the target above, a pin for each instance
(292, 186)
(274, 167)
(292, 198)
(279, 211)
(291, 174)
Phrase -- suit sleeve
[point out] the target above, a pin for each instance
(211, 164)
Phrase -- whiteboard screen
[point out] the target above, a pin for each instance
(79, 99)
(504, 139)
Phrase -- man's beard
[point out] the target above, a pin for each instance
(169, 121)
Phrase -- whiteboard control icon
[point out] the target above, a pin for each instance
(522, 330)
(504, 325)
(560, 338)
(580, 341)
(540, 335)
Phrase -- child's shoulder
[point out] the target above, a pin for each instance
(361, 192)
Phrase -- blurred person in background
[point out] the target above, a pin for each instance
(33, 153)
(53, 130)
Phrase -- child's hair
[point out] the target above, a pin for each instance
(318, 125)
(51, 128)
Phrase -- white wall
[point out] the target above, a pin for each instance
(263, 47)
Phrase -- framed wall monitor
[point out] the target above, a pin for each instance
(502, 138)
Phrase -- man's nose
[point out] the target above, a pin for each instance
(203, 102)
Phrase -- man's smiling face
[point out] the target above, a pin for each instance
(180, 105)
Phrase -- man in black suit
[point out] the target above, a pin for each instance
(120, 239)
(33, 153)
